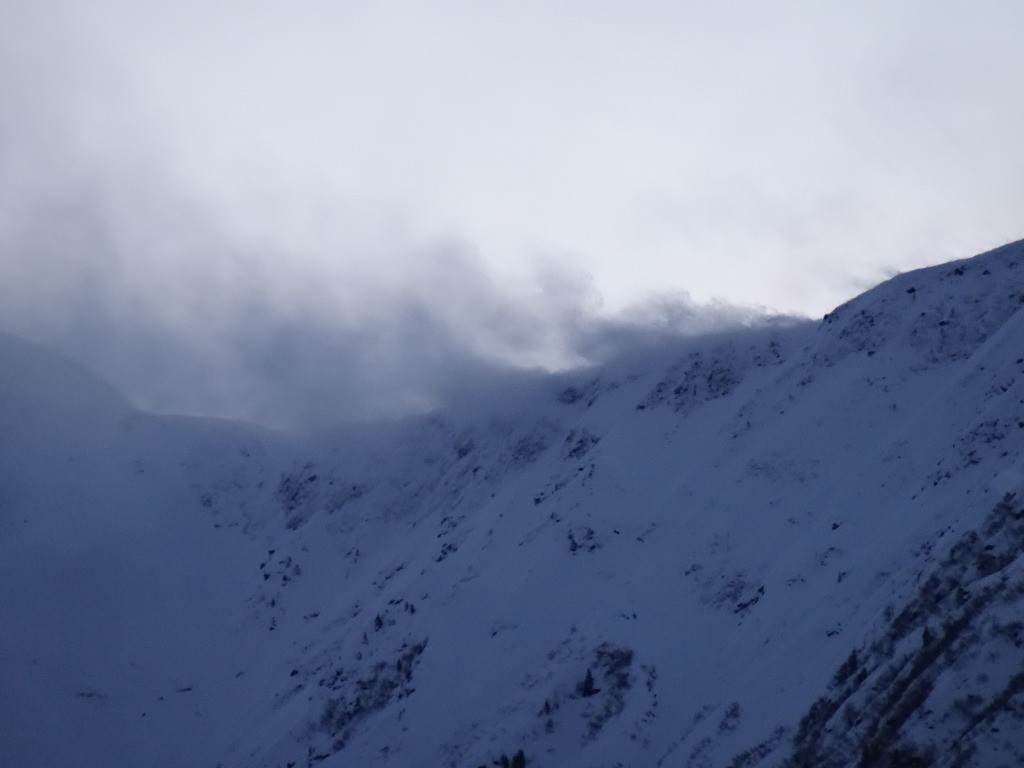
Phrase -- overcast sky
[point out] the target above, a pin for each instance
(213, 202)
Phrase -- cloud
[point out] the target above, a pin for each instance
(288, 314)
(309, 211)
(183, 320)
(787, 143)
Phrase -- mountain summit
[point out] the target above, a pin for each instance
(797, 544)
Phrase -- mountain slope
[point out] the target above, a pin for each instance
(795, 544)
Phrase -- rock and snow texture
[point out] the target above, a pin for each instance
(791, 545)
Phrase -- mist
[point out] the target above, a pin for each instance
(183, 320)
(317, 213)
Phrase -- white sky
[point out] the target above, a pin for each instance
(349, 155)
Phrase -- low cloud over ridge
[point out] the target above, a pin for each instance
(184, 319)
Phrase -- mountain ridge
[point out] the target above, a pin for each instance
(754, 545)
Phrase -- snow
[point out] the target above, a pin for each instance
(710, 527)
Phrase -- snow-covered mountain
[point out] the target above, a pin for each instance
(797, 544)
